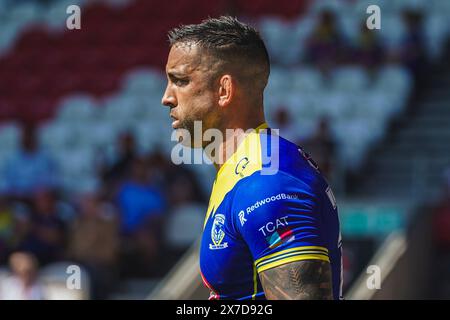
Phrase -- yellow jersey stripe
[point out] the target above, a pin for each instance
(292, 259)
(291, 254)
(304, 248)
(255, 282)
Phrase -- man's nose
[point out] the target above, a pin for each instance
(168, 98)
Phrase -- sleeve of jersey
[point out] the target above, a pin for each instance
(280, 221)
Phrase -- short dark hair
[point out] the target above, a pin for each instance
(228, 39)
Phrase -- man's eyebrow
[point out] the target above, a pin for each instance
(175, 74)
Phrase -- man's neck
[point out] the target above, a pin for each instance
(232, 140)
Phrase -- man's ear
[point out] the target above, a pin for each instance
(226, 90)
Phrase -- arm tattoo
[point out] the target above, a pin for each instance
(300, 280)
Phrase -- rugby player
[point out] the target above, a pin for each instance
(266, 236)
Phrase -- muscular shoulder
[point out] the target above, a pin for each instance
(280, 185)
(269, 196)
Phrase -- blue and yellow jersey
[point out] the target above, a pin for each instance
(260, 217)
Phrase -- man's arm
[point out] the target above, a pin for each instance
(300, 280)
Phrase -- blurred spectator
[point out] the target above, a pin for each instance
(413, 52)
(94, 242)
(137, 198)
(165, 175)
(6, 228)
(141, 207)
(160, 169)
(179, 176)
(325, 46)
(441, 242)
(368, 52)
(21, 224)
(322, 147)
(181, 192)
(29, 169)
(46, 237)
(23, 284)
(441, 219)
(127, 152)
(283, 121)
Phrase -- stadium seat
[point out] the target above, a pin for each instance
(352, 150)
(125, 109)
(303, 26)
(148, 136)
(184, 226)
(9, 33)
(393, 31)
(366, 104)
(439, 6)
(77, 167)
(306, 129)
(349, 24)
(402, 5)
(350, 79)
(300, 105)
(143, 81)
(77, 108)
(274, 31)
(56, 135)
(394, 78)
(279, 81)
(332, 103)
(76, 160)
(98, 134)
(306, 79)
(10, 135)
(25, 12)
(360, 6)
(437, 31)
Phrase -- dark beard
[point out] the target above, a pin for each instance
(187, 126)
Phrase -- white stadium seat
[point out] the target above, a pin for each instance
(77, 108)
(331, 103)
(437, 31)
(274, 30)
(144, 81)
(334, 6)
(10, 136)
(393, 31)
(25, 12)
(98, 134)
(306, 79)
(393, 78)
(350, 79)
(123, 108)
(401, 5)
(55, 135)
(184, 225)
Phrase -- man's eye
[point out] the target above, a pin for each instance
(181, 82)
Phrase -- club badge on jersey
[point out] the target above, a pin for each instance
(217, 233)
